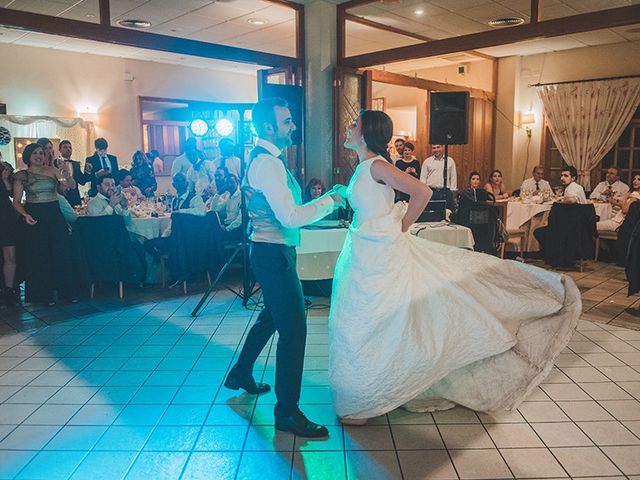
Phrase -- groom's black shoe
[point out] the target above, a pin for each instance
(237, 379)
(300, 425)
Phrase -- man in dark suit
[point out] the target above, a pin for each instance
(72, 171)
(101, 164)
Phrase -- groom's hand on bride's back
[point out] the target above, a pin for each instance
(338, 193)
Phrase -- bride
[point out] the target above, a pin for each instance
(424, 325)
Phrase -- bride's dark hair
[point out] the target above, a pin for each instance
(377, 130)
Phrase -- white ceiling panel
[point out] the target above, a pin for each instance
(598, 37)
(630, 32)
(45, 7)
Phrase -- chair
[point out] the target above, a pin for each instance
(625, 231)
(570, 235)
(192, 248)
(482, 219)
(106, 252)
(516, 233)
(605, 235)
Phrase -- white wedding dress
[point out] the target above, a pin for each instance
(427, 326)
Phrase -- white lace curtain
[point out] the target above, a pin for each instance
(587, 118)
(79, 132)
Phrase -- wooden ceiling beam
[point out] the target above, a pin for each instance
(105, 12)
(354, 3)
(424, 84)
(35, 22)
(536, 11)
(614, 17)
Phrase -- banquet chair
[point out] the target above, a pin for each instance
(106, 253)
(606, 235)
(482, 219)
(192, 249)
(515, 233)
(570, 235)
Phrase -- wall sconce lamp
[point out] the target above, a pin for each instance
(527, 119)
(88, 113)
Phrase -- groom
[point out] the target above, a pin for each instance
(276, 213)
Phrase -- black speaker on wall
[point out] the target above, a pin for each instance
(449, 119)
(293, 94)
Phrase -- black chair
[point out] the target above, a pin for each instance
(192, 247)
(105, 252)
(632, 259)
(483, 222)
(625, 232)
(570, 235)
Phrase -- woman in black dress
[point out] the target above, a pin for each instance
(408, 164)
(142, 174)
(47, 259)
(8, 238)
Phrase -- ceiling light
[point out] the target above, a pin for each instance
(199, 127)
(257, 21)
(506, 22)
(419, 11)
(133, 23)
(224, 127)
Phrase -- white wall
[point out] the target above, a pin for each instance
(479, 74)
(41, 81)
(517, 73)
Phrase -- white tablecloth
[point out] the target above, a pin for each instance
(150, 227)
(319, 247)
(519, 213)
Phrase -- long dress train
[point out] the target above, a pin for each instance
(427, 326)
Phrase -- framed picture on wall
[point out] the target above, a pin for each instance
(378, 104)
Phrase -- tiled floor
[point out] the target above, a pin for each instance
(109, 390)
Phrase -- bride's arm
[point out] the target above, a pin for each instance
(419, 193)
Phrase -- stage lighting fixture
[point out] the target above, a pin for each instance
(199, 127)
(224, 127)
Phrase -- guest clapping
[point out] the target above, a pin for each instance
(46, 235)
(496, 186)
(408, 163)
(142, 174)
(132, 193)
(108, 200)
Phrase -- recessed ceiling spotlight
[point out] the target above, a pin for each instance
(133, 23)
(419, 11)
(506, 22)
(257, 21)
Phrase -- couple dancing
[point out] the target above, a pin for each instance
(413, 323)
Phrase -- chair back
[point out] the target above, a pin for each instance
(570, 235)
(192, 248)
(483, 222)
(105, 251)
(625, 231)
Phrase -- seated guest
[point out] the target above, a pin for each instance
(72, 171)
(536, 183)
(221, 194)
(108, 200)
(228, 158)
(229, 211)
(142, 174)
(623, 203)
(573, 192)
(131, 192)
(314, 189)
(101, 164)
(186, 201)
(473, 193)
(610, 187)
(201, 176)
(496, 186)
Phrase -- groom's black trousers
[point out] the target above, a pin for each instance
(274, 266)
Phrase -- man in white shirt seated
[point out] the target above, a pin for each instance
(610, 187)
(109, 200)
(573, 192)
(536, 184)
(229, 210)
(201, 176)
(228, 159)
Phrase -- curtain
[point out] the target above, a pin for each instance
(587, 118)
(79, 132)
